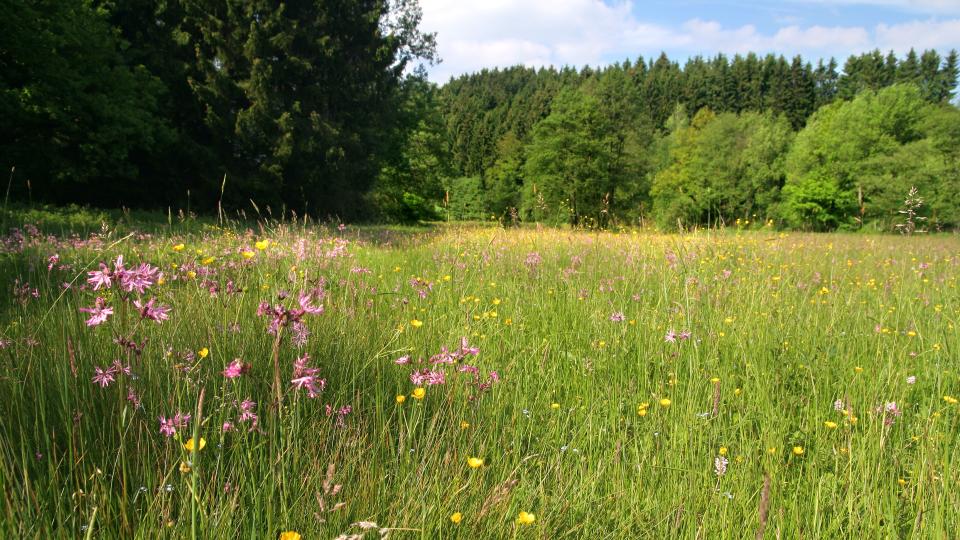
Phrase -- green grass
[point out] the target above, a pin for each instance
(788, 324)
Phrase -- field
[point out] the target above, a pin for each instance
(477, 382)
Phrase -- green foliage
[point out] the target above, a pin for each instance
(300, 98)
(412, 179)
(721, 168)
(505, 178)
(78, 122)
(297, 104)
(464, 199)
(816, 203)
(580, 155)
(855, 161)
(316, 107)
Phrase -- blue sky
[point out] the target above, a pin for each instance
(498, 33)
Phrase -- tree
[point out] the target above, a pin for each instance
(852, 163)
(572, 166)
(722, 167)
(411, 181)
(505, 178)
(299, 96)
(78, 121)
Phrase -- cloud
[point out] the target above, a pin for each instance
(502, 33)
(932, 7)
(921, 35)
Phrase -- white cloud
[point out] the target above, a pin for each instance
(501, 33)
(920, 35)
(933, 7)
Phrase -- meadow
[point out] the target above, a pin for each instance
(290, 380)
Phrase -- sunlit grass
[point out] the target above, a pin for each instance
(626, 365)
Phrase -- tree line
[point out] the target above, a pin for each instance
(323, 107)
(714, 141)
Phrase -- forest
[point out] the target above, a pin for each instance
(325, 108)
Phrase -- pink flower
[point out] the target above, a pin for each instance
(167, 427)
(403, 360)
(307, 306)
(466, 349)
(305, 377)
(103, 377)
(133, 398)
(181, 420)
(426, 376)
(235, 369)
(138, 279)
(246, 412)
(100, 278)
(720, 465)
(99, 313)
(671, 337)
(149, 310)
(617, 317)
(118, 367)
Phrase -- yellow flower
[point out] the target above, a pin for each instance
(184, 467)
(208, 260)
(665, 402)
(950, 399)
(772, 450)
(401, 398)
(475, 462)
(419, 393)
(456, 517)
(830, 425)
(191, 274)
(723, 450)
(188, 446)
(262, 245)
(715, 380)
(858, 369)
(798, 450)
(416, 323)
(464, 424)
(554, 406)
(526, 518)
(247, 254)
(290, 535)
(202, 353)
(178, 247)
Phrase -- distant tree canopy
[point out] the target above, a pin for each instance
(315, 106)
(715, 141)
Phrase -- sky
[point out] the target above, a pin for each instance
(474, 34)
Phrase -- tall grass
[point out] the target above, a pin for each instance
(600, 427)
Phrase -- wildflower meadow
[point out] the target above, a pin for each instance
(298, 380)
